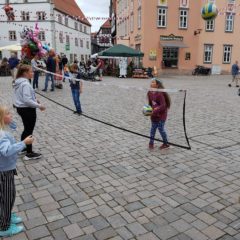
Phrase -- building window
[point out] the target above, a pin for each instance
(139, 17)
(66, 20)
(82, 57)
(76, 25)
(25, 16)
(61, 37)
(60, 18)
(41, 36)
(183, 19)
(208, 52)
(12, 36)
(210, 26)
(85, 29)
(162, 17)
(87, 44)
(227, 52)
(80, 27)
(131, 6)
(41, 16)
(81, 43)
(229, 23)
(76, 42)
(170, 57)
(67, 39)
(132, 23)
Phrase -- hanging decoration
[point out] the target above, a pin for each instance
(9, 12)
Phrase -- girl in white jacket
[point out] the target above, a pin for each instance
(9, 150)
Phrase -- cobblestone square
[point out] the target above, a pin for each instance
(95, 182)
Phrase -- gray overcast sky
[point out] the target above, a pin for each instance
(95, 8)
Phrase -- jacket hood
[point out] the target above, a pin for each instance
(19, 82)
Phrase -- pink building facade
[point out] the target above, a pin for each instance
(175, 38)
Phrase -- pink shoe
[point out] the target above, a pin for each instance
(151, 146)
(164, 146)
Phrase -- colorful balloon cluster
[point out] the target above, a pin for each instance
(31, 45)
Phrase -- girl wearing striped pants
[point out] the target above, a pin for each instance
(8, 157)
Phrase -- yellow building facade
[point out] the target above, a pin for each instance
(175, 38)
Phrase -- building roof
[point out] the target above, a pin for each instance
(71, 8)
(107, 24)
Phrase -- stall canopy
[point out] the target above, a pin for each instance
(15, 47)
(120, 50)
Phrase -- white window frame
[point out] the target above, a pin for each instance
(80, 27)
(42, 36)
(162, 17)
(208, 48)
(139, 18)
(210, 26)
(67, 39)
(61, 37)
(12, 36)
(76, 42)
(41, 16)
(66, 21)
(227, 53)
(131, 23)
(229, 22)
(76, 25)
(183, 18)
(25, 16)
(81, 43)
(60, 18)
(87, 44)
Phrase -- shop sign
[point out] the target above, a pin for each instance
(153, 54)
(171, 37)
(138, 37)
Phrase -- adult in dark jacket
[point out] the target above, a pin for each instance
(51, 68)
(235, 72)
(13, 62)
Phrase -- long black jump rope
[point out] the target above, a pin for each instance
(127, 130)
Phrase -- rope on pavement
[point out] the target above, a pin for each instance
(127, 130)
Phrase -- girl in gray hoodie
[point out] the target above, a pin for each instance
(26, 104)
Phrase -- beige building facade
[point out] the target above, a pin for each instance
(175, 38)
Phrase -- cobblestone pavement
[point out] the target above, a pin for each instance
(97, 182)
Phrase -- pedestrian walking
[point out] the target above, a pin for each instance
(235, 74)
(51, 68)
(13, 62)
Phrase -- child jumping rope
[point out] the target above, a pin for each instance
(160, 103)
(9, 150)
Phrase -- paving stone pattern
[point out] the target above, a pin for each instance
(95, 182)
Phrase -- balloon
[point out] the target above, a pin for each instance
(46, 47)
(9, 12)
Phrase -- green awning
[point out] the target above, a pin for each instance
(120, 50)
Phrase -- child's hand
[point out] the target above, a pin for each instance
(42, 108)
(28, 140)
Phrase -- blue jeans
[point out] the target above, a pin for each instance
(160, 126)
(49, 75)
(76, 99)
(35, 79)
